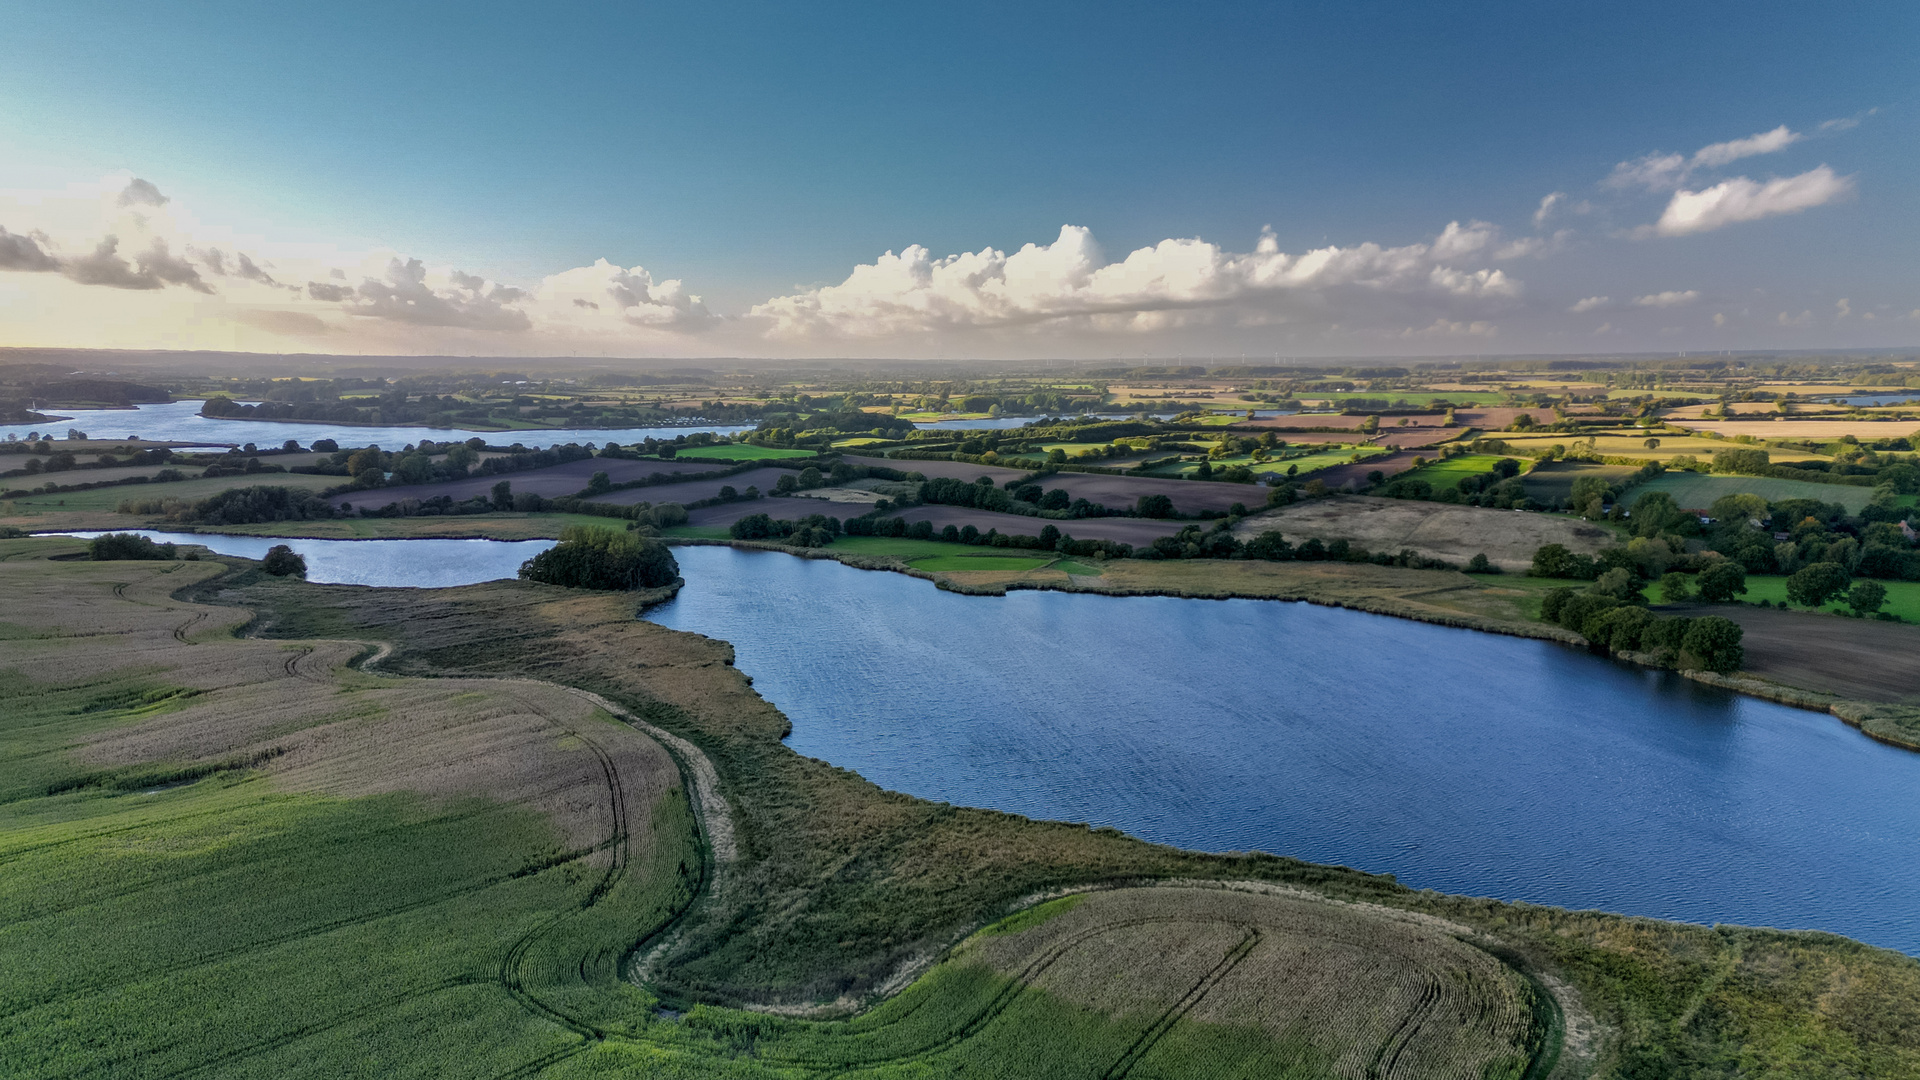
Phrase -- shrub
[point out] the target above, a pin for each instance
(116, 546)
(283, 561)
(1713, 644)
(593, 558)
(1480, 564)
(1154, 506)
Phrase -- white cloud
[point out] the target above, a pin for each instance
(1071, 279)
(1603, 328)
(1847, 123)
(1742, 199)
(1451, 328)
(1667, 299)
(1588, 304)
(1800, 321)
(1455, 242)
(1547, 204)
(1719, 319)
(1842, 309)
(1666, 172)
(1766, 142)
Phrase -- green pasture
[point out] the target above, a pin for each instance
(1697, 491)
(1903, 597)
(1450, 471)
(1319, 459)
(866, 440)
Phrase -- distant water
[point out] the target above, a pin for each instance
(397, 563)
(180, 421)
(1460, 761)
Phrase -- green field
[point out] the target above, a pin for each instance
(1903, 597)
(1697, 491)
(1415, 397)
(1450, 471)
(744, 452)
(1308, 463)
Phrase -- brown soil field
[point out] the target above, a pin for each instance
(1417, 436)
(1125, 530)
(1857, 659)
(1361, 990)
(1435, 530)
(788, 509)
(1123, 492)
(688, 491)
(954, 470)
(1355, 475)
(298, 713)
(550, 482)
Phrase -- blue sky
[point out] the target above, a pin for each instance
(756, 153)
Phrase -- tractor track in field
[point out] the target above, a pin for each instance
(1149, 1038)
(1386, 1060)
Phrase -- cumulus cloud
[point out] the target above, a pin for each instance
(1589, 304)
(1454, 328)
(1743, 199)
(1800, 321)
(1070, 278)
(1843, 308)
(404, 295)
(329, 293)
(606, 295)
(1666, 172)
(1457, 242)
(155, 268)
(1667, 299)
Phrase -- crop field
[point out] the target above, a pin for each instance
(1903, 597)
(1418, 398)
(1697, 491)
(746, 452)
(1316, 461)
(233, 857)
(1807, 429)
(1553, 480)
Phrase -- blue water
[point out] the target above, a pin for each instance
(1893, 398)
(1007, 423)
(180, 421)
(1465, 762)
(394, 563)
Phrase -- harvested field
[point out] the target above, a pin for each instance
(1436, 530)
(1634, 446)
(1806, 429)
(790, 509)
(108, 499)
(550, 483)
(954, 470)
(1695, 491)
(687, 491)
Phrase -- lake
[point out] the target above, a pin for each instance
(180, 421)
(392, 563)
(1465, 762)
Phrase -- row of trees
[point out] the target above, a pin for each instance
(605, 559)
(1611, 616)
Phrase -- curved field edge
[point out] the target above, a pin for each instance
(842, 890)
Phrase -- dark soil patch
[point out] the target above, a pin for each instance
(1858, 659)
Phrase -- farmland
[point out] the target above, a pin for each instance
(1435, 530)
(746, 452)
(1448, 472)
(1696, 491)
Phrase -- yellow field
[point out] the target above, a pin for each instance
(1634, 446)
(1808, 429)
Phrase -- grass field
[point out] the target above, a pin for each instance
(1320, 459)
(1697, 491)
(1449, 472)
(1903, 597)
(746, 452)
(1418, 398)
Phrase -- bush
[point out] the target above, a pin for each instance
(1713, 644)
(593, 558)
(283, 561)
(1154, 506)
(1480, 564)
(116, 546)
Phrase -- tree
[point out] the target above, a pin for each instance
(1480, 564)
(1720, 582)
(283, 561)
(503, 496)
(605, 559)
(1713, 644)
(1651, 444)
(1616, 584)
(1676, 588)
(1154, 506)
(599, 484)
(1866, 597)
(1816, 584)
(117, 546)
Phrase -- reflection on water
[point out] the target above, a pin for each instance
(1470, 763)
(418, 563)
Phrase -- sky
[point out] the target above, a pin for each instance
(1026, 180)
